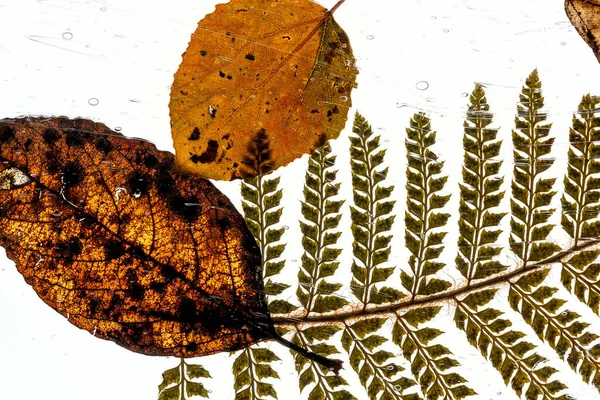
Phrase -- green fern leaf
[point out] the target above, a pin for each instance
(322, 216)
(261, 200)
(327, 385)
(375, 367)
(250, 368)
(562, 330)
(531, 192)
(580, 276)
(519, 365)
(479, 193)
(423, 186)
(370, 216)
(582, 190)
(430, 363)
(178, 383)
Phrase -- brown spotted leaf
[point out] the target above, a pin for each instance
(585, 17)
(106, 235)
(283, 68)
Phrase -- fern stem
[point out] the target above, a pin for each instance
(251, 367)
(386, 309)
(182, 372)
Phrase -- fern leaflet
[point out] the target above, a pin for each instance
(180, 383)
(374, 368)
(327, 385)
(429, 363)
(370, 217)
(531, 194)
(582, 189)
(423, 199)
(322, 217)
(479, 193)
(261, 205)
(562, 330)
(514, 358)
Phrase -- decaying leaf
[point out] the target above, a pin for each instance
(585, 17)
(109, 237)
(284, 68)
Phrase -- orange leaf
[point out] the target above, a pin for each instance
(585, 17)
(284, 68)
(107, 236)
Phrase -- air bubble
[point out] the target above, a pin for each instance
(562, 43)
(344, 98)
(93, 101)
(433, 17)
(294, 260)
(422, 85)
(118, 129)
(102, 8)
(446, 30)
(370, 37)
(67, 35)
(56, 215)
(464, 94)
(285, 228)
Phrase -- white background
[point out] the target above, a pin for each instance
(57, 57)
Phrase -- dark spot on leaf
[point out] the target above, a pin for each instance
(191, 347)
(71, 174)
(203, 53)
(113, 249)
(315, 111)
(250, 57)
(183, 92)
(7, 133)
(137, 184)
(150, 161)
(187, 312)
(222, 74)
(74, 139)
(50, 136)
(195, 134)
(93, 304)
(158, 286)
(210, 155)
(136, 291)
(168, 272)
(103, 145)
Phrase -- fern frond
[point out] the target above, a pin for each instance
(424, 182)
(180, 383)
(371, 217)
(322, 217)
(429, 362)
(531, 193)
(261, 203)
(582, 189)
(327, 386)
(375, 370)
(580, 276)
(515, 358)
(562, 330)
(479, 193)
(250, 369)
